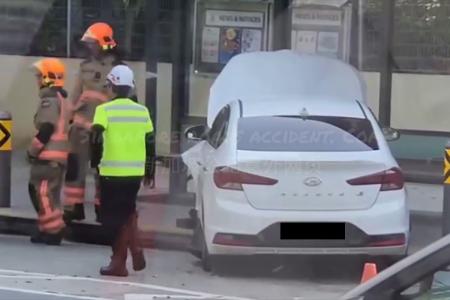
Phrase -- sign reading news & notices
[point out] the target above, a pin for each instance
(224, 30)
(323, 30)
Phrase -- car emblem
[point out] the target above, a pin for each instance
(312, 181)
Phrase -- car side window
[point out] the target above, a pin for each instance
(219, 128)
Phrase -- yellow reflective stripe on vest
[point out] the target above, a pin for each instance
(128, 119)
(125, 107)
(122, 164)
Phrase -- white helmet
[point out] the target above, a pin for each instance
(121, 75)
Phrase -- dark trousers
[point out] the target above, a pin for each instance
(118, 196)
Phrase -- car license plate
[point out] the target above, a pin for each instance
(312, 231)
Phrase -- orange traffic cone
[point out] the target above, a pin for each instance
(370, 271)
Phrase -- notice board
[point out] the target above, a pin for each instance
(224, 29)
(321, 29)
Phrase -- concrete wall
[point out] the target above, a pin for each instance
(199, 91)
(421, 102)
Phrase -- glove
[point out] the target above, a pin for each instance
(30, 158)
(97, 214)
(72, 167)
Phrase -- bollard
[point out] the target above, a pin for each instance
(446, 206)
(5, 159)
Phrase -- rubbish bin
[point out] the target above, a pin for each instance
(5, 159)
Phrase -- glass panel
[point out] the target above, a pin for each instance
(321, 134)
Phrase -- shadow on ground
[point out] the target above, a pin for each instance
(320, 269)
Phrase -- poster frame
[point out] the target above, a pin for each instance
(267, 31)
(345, 31)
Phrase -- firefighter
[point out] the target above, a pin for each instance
(48, 151)
(123, 151)
(89, 92)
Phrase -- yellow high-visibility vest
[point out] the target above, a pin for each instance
(124, 149)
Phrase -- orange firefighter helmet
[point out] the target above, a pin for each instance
(52, 71)
(102, 33)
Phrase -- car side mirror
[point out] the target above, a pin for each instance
(195, 133)
(390, 134)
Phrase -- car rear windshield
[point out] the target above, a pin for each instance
(314, 134)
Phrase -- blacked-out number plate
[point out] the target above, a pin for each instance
(312, 231)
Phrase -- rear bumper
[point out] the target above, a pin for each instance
(375, 251)
(388, 216)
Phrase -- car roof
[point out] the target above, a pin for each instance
(280, 73)
(398, 267)
(298, 105)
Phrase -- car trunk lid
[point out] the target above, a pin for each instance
(308, 181)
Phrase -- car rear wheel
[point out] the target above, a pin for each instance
(200, 249)
(205, 257)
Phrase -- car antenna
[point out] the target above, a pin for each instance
(304, 114)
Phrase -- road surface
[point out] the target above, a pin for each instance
(31, 271)
(71, 272)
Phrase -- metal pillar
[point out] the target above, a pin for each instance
(181, 53)
(69, 28)
(386, 65)
(151, 56)
(281, 25)
(355, 37)
(5, 159)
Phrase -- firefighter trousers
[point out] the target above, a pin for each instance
(77, 170)
(44, 189)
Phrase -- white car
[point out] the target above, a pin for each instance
(301, 169)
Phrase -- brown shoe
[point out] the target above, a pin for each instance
(139, 262)
(137, 254)
(117, 267)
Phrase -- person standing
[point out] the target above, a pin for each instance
(123, 151)
(48, 151)
(89, 92)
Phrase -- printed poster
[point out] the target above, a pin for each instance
(305, 41)
(328, 43)
(230, 44)
(210, 45)
(251, 40)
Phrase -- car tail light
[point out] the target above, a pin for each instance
(390, 240)
(390, 180)
(232, 240)
(232, 179)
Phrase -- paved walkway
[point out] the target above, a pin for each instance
(425, 197)
(155, 217)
